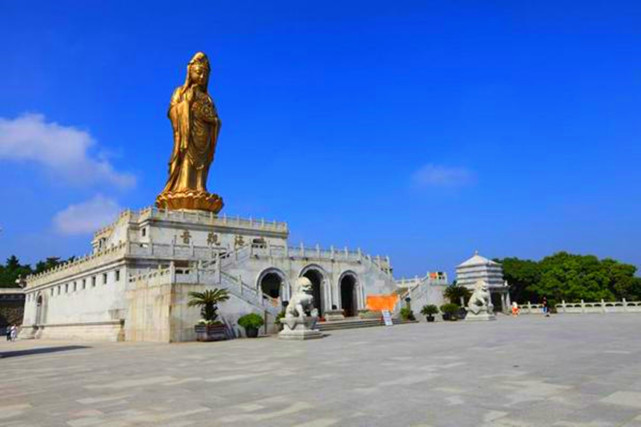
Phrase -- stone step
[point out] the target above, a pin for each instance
(354, 323)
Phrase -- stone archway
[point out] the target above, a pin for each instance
(349, 300)
(271, 282)
(316, 276)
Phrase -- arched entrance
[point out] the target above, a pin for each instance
(271, 283)
(348, 295)
(316, 277)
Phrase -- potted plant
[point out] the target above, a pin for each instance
(252, 323)
(450, 311)
(429, 311)
(407, 314)
(209, 328)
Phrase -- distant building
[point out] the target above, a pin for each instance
(481, 268)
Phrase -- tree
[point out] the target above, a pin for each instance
(10, 272)
(208, 301)
(455, 292)
(570, 277)
(521, 275)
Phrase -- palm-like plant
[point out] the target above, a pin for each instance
(208, 301)
(455, 292)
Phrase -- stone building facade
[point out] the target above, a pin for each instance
(134, 285)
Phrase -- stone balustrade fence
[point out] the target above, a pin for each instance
(601, 307)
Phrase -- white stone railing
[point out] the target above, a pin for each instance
(583, 307)
(78, 265)
(417, 281)
(209, 218)
(600, 307)
(196, 275)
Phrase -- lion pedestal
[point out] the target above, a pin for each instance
(296, 329)
(296, 324)
(480, 307)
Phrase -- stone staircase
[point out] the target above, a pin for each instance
(355, 323)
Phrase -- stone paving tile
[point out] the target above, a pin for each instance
(529, 371)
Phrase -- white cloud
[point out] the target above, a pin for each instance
(432, 175)
(63, 150)
(87, 217)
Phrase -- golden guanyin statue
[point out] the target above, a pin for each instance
(196, 126)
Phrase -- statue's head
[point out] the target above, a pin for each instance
(481, 285)
(198, 70)
(303, 284)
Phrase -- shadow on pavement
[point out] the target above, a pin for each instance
(42, 350)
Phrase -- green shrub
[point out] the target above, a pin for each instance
(429, 310)
(279, 316)
(450, 308)
(407, 314)
(251, 320)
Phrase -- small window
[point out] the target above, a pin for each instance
(118, 275)
(93, 282)
(144, 232)
(84, 283)
(58, 290)
(51, 291)
(104, 278)
(66, 287)
(75, 286)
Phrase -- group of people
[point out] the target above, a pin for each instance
(544, 304)
(12, 333)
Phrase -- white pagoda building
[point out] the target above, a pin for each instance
(480, 268)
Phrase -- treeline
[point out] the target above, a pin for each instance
(12, 269)
(572, 278)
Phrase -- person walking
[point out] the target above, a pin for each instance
(14, 332)
(546, 308)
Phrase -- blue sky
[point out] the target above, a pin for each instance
(421, 130)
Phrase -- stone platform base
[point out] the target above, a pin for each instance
(334, 315)
(471, 317)
(89, 331)
(300, 334)
(296, 329)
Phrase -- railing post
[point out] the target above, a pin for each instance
(603, 306)
(172, 272)
(625, 304)
(529, 307)
(563, 305)
(582, 306)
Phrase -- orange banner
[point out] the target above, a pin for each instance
(381, 302)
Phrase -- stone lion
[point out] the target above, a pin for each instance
(480, 301)
(302, 300)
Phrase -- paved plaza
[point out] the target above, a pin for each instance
(581, 370)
